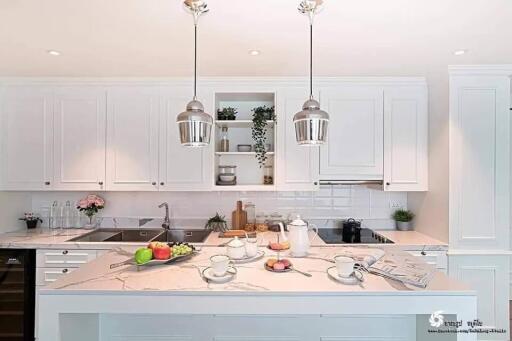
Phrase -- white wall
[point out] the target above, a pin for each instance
(331, 202)
(12, 207)
(431, 207)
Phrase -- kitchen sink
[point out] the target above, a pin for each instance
(119, 235)
(185, 235)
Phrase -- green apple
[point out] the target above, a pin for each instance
(143, 255)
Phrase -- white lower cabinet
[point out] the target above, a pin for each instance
(489, 276)
(53, 264)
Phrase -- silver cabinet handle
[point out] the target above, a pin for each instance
(162, 183)
(64, 271)
(100, 183)
(153, 183)
(47, 183)
(65, 252)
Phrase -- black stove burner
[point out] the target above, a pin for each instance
(352, 236)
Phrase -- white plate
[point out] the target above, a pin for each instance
(230, 274)
(259, 255)
(352, 280)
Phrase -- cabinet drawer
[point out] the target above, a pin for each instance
(437, 259)
(46, 276)
(64, 258)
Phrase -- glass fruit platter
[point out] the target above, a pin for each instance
(159, 253)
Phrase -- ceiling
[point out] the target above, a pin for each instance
(154, 37)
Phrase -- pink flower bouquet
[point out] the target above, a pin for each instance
(90, 205)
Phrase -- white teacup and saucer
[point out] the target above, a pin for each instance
(220, 269)
(344, 271)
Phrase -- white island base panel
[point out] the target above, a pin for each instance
(174, 303)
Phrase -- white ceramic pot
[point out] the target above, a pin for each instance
(404, 225)
(236, 249)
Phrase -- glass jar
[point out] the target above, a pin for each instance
(261, 222)
(224, 140)
(250, 209)
(268, 175)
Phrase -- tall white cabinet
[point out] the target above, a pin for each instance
(480, 192)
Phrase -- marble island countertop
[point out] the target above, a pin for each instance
(96, 277)
(58, 239)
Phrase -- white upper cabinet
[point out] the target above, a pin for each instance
(406, 138)
(182, 168)
(354, 150)
(132, 138)
(79, 138)
(480, 162)
(26, 124)
(297, 166)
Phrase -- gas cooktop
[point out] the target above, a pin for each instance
(352, 236)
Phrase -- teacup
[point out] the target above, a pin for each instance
(344, 265)
(220, 265)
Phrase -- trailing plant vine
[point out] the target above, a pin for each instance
(259, 131)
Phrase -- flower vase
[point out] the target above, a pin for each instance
(91, 222)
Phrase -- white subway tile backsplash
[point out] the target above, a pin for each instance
(330, 203)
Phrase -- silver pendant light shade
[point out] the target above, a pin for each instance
(311, 122)
(194, 124)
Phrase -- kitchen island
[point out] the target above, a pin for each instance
(175, 302)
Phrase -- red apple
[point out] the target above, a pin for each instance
(162, 251)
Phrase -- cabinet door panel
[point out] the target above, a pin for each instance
(182, 168)
(480, 162)
(79, 146)
(405, 139)
(297, 166)
(132, 138)
(354, 150)
(26, 139)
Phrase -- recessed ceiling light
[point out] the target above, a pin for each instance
(254, 52)
(53, 53)
(460, 52)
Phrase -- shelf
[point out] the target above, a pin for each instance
(245, 188)
(240, 153)
(239, 123)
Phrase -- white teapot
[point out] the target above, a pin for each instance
(236, 249)
(298, 236)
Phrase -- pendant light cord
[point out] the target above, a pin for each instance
(195, 60)
(311, 59)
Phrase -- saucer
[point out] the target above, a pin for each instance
(228, 276)
(353, 279)
(259, 255)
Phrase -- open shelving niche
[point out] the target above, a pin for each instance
(248, 172)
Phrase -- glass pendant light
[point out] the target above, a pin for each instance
(311, 123)
(194, 124)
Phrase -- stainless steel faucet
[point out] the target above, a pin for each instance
(167, 222)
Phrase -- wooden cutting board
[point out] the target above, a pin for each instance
(236, 233)
(239, 217)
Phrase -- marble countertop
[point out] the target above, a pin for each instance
(96, 277)
(58, 239)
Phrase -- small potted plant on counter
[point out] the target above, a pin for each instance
(90, 206)
(403, 219)
(217, 223)
(227, 114)
(31, 219)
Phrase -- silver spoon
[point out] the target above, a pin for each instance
(301, 272)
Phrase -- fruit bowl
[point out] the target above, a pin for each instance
(158, 253)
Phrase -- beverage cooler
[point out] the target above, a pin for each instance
(17, 294)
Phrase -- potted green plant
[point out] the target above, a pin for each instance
(31, 219)
(227, 114)
(259, 131)
(217, 223)
(403, 219)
